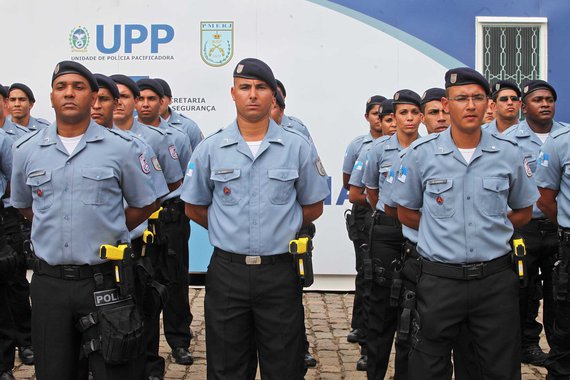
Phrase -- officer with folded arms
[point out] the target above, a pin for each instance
(70, 179)
(463, 180)
(254, 185)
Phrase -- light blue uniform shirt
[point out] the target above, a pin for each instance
(356, 177)
(296, 124)
(166, 158)
(553, 171)
(77, 199)
(386, 195)
(157, 179)
(255, 203)
(36, 123)
(491, 127)
(189, 127)
(380, 159)
(464, 205)
(353, 151)
(182, 150)
(530, 145)
(14, 131)
(5, 160)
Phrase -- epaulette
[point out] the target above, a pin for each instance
(297, 120)
(357, 139)
(184, 117)
(559, 132)
(43, 121)
(423, 140)
(177, 128)
(26, 137)
(298, 133)
(157, 130)
(213, 134)
(380, 140)
(119, 133)
(504, 138)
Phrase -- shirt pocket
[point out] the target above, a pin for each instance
(95, 182)
(281, 185)
(42, 189)
(227, 186)
(493, 197)
(440, 198)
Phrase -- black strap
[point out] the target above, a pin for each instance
(86, 322)
(91, 346)
(468, 271)
(70, 272)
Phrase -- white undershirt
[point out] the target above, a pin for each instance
(467, 153)
(70, 143)
(542, 136)
(254, 146)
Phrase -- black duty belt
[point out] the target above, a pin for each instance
(381, 218)
(71, 272)
(543, 224)
(473, 271)
(253, 260)
(175, 202)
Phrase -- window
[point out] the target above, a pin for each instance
(513, 48)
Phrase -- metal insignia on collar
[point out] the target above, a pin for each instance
(453, 78)
(239, 69)
(320, 167)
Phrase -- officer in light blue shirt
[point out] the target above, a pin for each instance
(253, 185)
(175, 119)
(463, 179)
(176, 313)
(70, 179)
(540, 235)
(21, 100)
(14, 131)
(506, 103)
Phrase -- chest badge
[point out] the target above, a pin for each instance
(439, 200)
(227, 190)
(40, 192)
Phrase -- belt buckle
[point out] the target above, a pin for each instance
(70, 272)
(473, 271)
(253, 260)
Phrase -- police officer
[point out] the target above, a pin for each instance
(463, 179)
(506, 98)
(176, 314)
(434, 117)
(21, 100)
(8, 258)
(552, 179)
(70, 179)
(14, 131)
(386, 235)
(176, 119)
(540, 235)
(253, 185)
(17, 290)
(291, 121)
(356, 225)
(168, 164)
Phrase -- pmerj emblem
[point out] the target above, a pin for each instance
(79, 39)
(216, 42)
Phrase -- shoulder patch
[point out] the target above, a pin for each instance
(559, 132)
(27, 137)
(423, 140)
(120, 133)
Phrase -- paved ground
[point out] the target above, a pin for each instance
(327, 321)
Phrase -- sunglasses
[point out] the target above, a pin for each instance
(506, 98)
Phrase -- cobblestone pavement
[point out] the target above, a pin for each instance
(328, 322)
